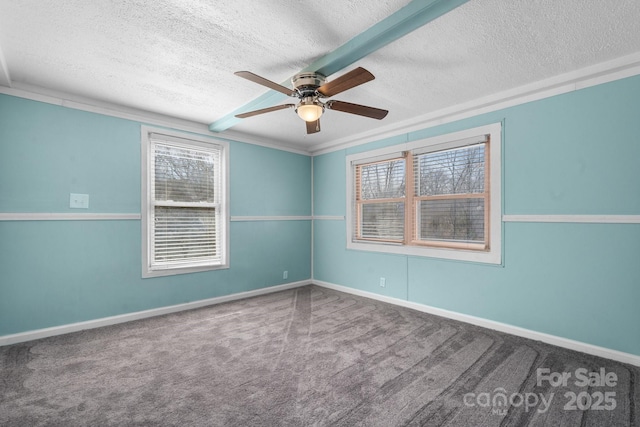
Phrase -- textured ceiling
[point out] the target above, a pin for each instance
(177, 57)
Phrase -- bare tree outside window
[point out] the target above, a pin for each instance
(436, 197)
(447, 198)
(183, 175)
(449, 186)
(381, 200)
(185, 224)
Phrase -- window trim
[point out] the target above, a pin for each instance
(442, 142)
(194, 141)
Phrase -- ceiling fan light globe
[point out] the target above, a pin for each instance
(309, 112)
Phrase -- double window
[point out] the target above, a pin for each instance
(184, 210)
(437, 197)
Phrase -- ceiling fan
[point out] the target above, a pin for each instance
(310, 88)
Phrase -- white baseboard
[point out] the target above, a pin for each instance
(595, 350)
(489, 324)
(122, 318)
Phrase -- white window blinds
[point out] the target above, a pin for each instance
(450, 197)
(380, 200)
(424, 196)
(437, 197)
(185, 205)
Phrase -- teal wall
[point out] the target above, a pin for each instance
(571, 154)
(576, 153)
(58, 272)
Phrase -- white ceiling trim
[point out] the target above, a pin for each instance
(5, 78)
(177, 58)
(36, 93)
(231, 135)
(619, 68)
(605, 72)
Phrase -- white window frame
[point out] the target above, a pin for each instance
(493, 255)
(187, 141)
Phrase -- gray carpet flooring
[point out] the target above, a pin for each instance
(308, 357)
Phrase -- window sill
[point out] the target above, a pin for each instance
(485, 257)
(149, 273)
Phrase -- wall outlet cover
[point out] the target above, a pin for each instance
(79, 201)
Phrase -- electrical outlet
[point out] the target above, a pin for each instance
(285, 275)
(78, 201)
(383, 282)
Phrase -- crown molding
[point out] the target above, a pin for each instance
(616, 69)
(231, 135)
(49, 96)
(76, 102)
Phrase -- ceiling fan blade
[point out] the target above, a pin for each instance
(264, 110)
(313, 127)
(347, 81)
(360, 110)
(264, 82)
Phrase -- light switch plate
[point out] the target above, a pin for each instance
(79, 201)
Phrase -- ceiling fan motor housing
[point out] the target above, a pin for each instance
(307, 83)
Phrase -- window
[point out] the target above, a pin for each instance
(436, 197)
(380, 200)
(184, 209)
